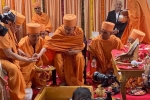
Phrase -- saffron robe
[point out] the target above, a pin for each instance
(69, 67)
(101, 49)
(28, 69)
(138, 19)
(43, 19)
(16, 81)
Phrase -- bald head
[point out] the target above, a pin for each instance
(6, 9)
(118, 5)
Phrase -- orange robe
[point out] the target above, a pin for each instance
(16, 81)
(101, 49)
(69, 68)
(138, 19)
(28, 69)
(43, 19)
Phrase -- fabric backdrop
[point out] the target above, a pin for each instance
(90, 13)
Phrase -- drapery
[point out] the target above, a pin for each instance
(148, 3)
(94, 14)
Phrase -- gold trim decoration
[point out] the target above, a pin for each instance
(91, 18)
(102, 10)
(3, 3)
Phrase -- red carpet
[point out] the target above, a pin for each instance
(89, 82)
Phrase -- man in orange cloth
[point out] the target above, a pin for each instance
(138, 81)
(43, 33)
(31, 44)
(67, 41)
(49, 54)
(101, 47)
(136, 34)
(41, 18)
(138, 12)
(9, 57)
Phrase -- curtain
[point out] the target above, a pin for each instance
(148, 3)
(95, 12)
(53, 9)
(73, 7)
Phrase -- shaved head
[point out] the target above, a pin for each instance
(118, 1)
(6, 9)
(118, 5)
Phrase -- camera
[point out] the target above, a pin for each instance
(3, 30)
(105, 80)
(5, 18)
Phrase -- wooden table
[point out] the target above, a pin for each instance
(126, 74)
(59, 93)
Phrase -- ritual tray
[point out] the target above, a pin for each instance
(137, 92)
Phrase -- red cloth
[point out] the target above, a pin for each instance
(143, 50)
(130, 97)
(50, 54)
(130, 67)
(89, 81)
(116, 53)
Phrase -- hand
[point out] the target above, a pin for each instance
(115, 31)
(21, 53)
(35, 55)
(33, 59)
(94, 63)
(73, 52)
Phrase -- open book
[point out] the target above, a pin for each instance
(131, 54)
(133, 47)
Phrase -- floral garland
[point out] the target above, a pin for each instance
(3, 3)
(102, 10)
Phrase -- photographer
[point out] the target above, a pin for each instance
(9, 55)
(6, 9)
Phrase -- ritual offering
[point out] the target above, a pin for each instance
(44, 68)
(137, 91)
(135, 64)
(100, 91)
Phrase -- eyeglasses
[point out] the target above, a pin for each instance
(37, 8)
